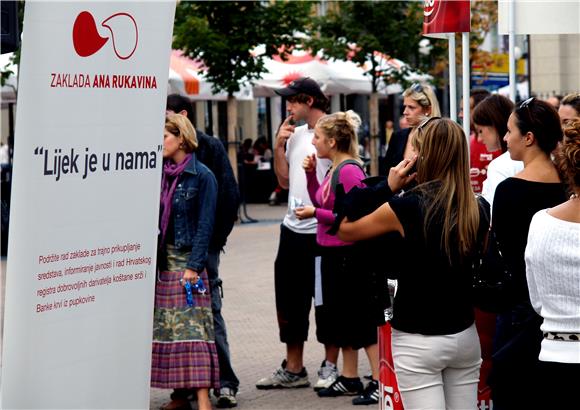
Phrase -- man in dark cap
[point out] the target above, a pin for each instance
(294, 269)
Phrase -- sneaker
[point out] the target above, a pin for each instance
(282, 378)
(342, 386)
(369, 396)
(327, 374)
(226, 398)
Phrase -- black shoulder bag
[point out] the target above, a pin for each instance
(491, 277)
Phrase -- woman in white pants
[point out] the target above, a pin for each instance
(436, 349)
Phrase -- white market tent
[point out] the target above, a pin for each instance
(334, 76)
(9, 89)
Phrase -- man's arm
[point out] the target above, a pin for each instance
(281, 167)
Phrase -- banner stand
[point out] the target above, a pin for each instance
(88, 157)
(452, 77)
(512, 47)
(466, 91)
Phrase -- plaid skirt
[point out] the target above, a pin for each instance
(184, 352)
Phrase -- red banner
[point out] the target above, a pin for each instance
(389, 397)
(446, 16)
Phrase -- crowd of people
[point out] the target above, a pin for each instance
(424, 224)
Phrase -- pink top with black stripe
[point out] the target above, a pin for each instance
(323, 198)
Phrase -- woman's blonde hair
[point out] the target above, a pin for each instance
(425, 96)
(343, 128)
(180, 126)
(444, 159)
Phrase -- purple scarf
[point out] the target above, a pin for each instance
(171, 172)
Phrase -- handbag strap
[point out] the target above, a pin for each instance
(485, 207)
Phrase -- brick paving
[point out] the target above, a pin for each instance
(249, 311)
(248, 308)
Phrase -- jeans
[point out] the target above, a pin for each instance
(227, 376)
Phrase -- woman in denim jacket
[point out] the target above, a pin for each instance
(184, 353)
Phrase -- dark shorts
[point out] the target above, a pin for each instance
(344, 319)
(294, 284)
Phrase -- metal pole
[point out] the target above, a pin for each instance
(452, 78)
(466, 78)
(529, 65)
(512, 46)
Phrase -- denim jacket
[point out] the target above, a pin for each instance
(193, 212)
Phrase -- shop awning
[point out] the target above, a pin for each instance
(186, 78)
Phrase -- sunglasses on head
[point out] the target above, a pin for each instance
(526, 103)
(417, 88)
(427, 121)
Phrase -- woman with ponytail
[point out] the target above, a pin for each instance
(342, 309)
(533, 133)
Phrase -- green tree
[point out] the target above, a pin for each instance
(224, 34)
(483, 17)
(356, 30)
(6, 71)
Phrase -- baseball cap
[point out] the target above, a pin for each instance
(304, 85)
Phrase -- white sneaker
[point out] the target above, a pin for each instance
(327, 374)
(284, 379)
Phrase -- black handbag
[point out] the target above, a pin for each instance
(491, 283)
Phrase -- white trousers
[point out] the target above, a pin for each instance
(437, 372)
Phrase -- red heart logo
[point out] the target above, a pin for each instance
(86, 38)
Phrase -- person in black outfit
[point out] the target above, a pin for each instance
(533, 133)
(419, 102)
(211, 153)
(436, 349)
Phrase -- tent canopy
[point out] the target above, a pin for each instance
(186, 77)
(9, 89)
(334, 76)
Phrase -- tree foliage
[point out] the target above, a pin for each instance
(6, 71)
(483, 17)
(358, 29)
(224, 34)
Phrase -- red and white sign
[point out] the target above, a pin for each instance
(84, 210)
(389, 397)
(446, 16)
(123, 29)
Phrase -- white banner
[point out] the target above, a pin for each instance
(85, 197)
(541, 16)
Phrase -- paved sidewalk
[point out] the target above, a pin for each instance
(247, 271)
